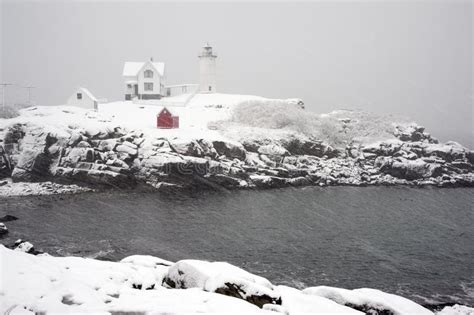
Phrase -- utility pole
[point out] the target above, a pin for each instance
(29, 93)
(4, 85)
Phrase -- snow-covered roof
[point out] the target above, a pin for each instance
(131, 68)
(87, 92)
(168, 110)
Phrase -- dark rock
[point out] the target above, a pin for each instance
(251, 146)
(268, 181)
(13, 135)
(310, 147)
(5, 167)
(370, 310)
(90, 155)
(462, 166)
(3, 229)
(230, 150)
(226, 181)
(470, 156)
(7, 218)
(238, 291)
(409, 169)
(438, 306)
(191, 148)
(32, 167)
(299, 181)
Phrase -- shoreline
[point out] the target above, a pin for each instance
(86, 148)
(9, 189)
(157, 277)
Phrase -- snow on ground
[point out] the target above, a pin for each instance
(214, 116)
(83, 286)
(64, 285)
(201, 109)
(194, 118)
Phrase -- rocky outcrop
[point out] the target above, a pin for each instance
(413, 133)
(116, 158)
(222, 278)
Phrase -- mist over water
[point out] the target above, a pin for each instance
(409, 241)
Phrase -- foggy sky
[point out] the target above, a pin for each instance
(401, 57)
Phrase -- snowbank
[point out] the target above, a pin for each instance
(369, 300)
(83, 286)
(30, 284)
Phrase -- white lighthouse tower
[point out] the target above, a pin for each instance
(207, 70)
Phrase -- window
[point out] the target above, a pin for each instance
(79, 96)
(148, 74)
(210, 88)
(148, 86)
(129, 86)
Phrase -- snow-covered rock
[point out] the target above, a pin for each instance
(456, 310)
(296, 301)
(222, 278)
(369, 301)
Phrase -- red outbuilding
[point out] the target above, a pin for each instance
(166, 120)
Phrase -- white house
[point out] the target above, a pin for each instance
(144, 80)
(82, 97)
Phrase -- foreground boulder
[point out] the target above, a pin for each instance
(25, 247)
(369, 301)
(222, 278)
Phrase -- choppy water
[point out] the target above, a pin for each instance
(418, 243)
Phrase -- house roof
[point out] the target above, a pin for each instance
(87, 92)
(131, 68)
(165, 108)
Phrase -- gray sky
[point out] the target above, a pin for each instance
(402, 57)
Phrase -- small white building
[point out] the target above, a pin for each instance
(144, 80)
(83, 98)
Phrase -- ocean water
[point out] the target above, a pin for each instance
(416, 242)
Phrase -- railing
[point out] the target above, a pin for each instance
(192, 88)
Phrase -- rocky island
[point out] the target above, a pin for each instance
(225, 142)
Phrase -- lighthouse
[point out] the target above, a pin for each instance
(207, 70)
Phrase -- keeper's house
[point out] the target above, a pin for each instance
(144, 80)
